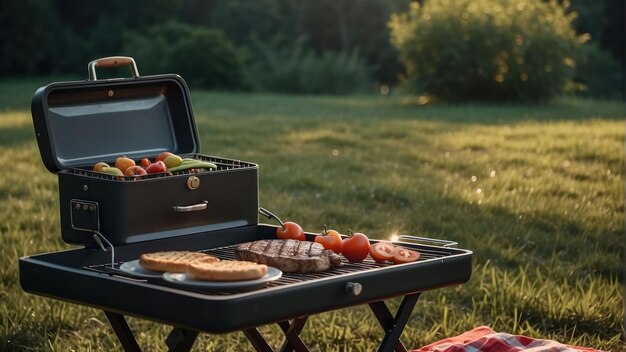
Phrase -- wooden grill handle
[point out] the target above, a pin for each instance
(112, 61)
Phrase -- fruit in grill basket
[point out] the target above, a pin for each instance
(330, 239)
(145, 162)
(173, 161)
(163, 156)
(356, 247)
(135, 171)
(99, 166)
(227, 270)
(156, 167)
(124, 163)
(189, 164)
(382, 251)
(290, 231)
(112, 171)
(404, 255)
(173, 261)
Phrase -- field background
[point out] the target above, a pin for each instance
(536, 192)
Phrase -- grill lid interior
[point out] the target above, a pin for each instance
(83, 122)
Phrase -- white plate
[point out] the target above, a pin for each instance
(183, 279)
(134, 268)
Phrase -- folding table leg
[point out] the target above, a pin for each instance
(181, 340)
(292, 333)
(257, 340)
(394, 326)
(123, 332)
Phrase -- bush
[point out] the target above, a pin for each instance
(297, 69)
(598, 74)
(203, 57)
(487, 49)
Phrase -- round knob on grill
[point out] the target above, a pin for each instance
(354, 288)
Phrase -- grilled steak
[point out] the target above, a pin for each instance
(290, 256)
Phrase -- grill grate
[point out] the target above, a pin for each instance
(221, 163)
(228, 253)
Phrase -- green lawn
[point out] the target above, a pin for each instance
(535, 191)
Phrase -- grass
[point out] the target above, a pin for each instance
(535, 191)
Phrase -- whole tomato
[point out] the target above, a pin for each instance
(145, 162)
(330, 239)
(290, 231)
(356, 247)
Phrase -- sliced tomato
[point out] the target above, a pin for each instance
(404, 255)
(382, 251)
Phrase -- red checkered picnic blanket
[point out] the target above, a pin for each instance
(484, 339)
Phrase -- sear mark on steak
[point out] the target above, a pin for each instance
(291, 256)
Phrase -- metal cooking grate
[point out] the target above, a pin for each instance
(228, 253)
(222, 165)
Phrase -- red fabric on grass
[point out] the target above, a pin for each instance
(484, 339)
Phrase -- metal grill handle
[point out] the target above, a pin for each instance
(112, 61)
(444, 243)
(187, 208)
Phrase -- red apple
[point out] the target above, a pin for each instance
(156, 167)
(136, 171)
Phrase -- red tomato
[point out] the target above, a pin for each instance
(157, 167)
(330, 239)
(290, 231)
(403, 255)
(145, 162)
(356, 247)
(382, 251)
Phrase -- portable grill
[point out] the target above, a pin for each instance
(117, 219)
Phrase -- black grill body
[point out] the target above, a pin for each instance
(78, 124)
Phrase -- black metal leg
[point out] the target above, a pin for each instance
(394, 326)
(257, 340)
(292, 333)
(181, 340)
(123, 332)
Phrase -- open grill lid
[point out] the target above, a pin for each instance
(83, 122)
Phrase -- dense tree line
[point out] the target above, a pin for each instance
(42, 37)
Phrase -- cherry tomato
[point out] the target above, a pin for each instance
(330, 239)
(145, 162)
(403, 255)
(290, 231)
(382, 251)
(356, 247)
